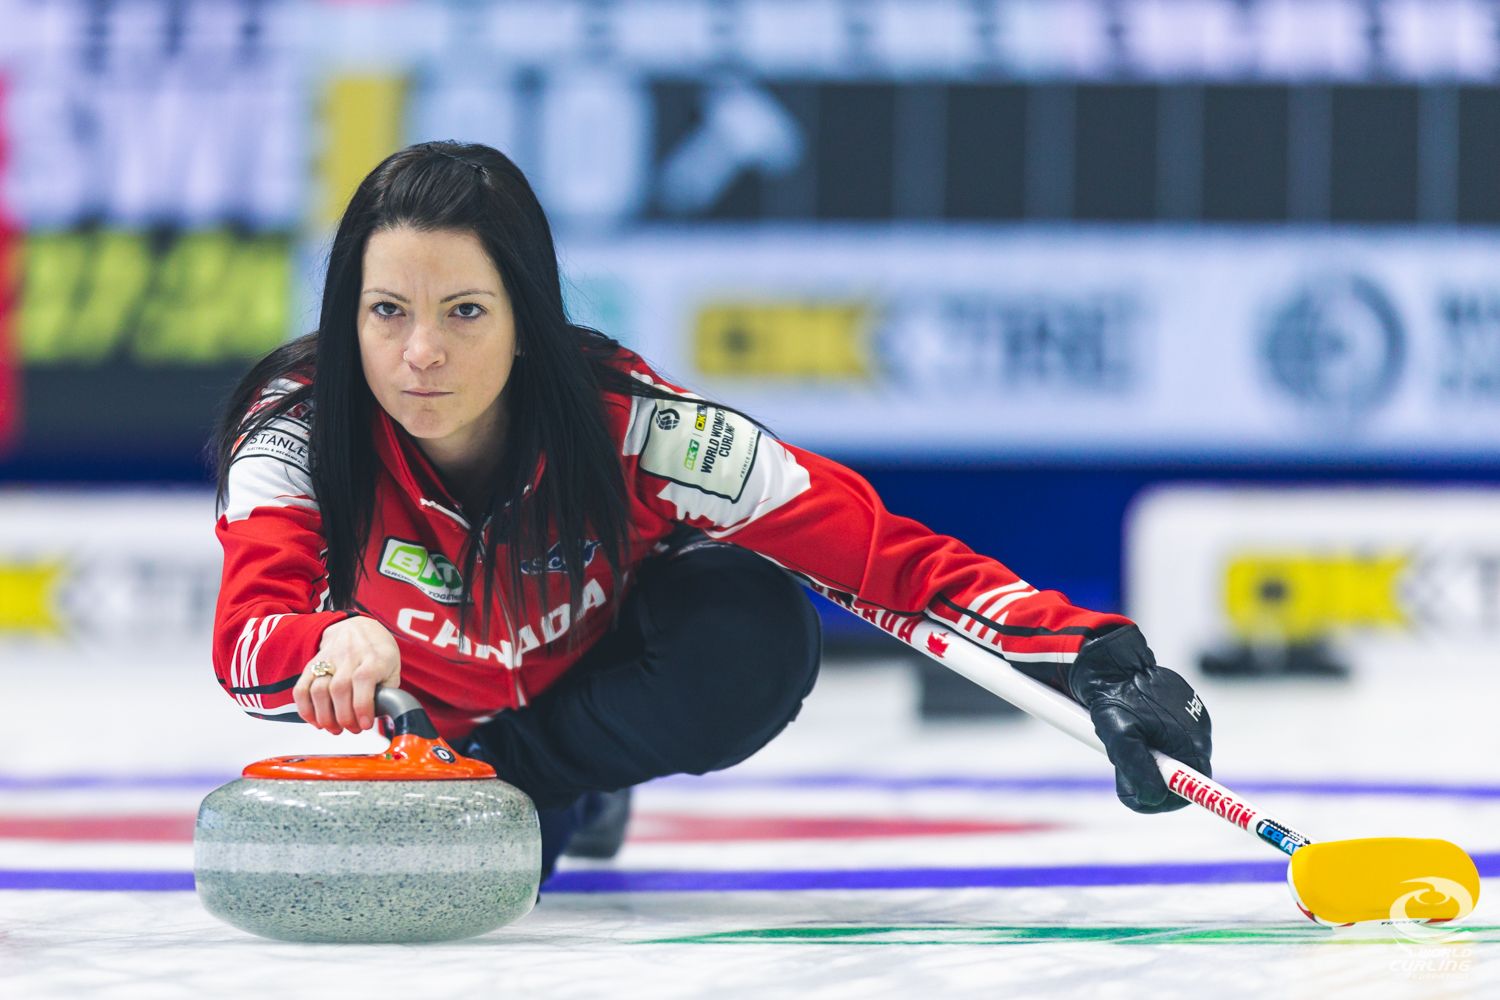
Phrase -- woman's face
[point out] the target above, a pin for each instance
(436, 337)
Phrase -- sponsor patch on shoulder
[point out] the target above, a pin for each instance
(702, 446)
(285, 443)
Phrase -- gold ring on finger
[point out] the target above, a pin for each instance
(322, 669)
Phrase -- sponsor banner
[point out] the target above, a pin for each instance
(362, 117)
(10, 369)
(1299, 580)
(1275, 40)
(10, 381)
(796, 339)
(143, 115)
(175, 172)
(1011, 342)
(157, 167)
(108, 566)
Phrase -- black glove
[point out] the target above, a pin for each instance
(1137, 707)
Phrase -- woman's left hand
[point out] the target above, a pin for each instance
(1138, 707)
(354, 656)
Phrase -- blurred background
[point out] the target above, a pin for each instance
(1187, 308)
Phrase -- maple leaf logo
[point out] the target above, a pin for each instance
(936, 644)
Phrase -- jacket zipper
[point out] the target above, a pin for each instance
(515, 640)
(444, 510)
(510, 628)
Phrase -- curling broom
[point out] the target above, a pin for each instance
(1336, 883)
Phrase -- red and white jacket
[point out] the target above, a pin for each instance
(684, 462)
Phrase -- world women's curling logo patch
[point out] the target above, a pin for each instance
(702, 446)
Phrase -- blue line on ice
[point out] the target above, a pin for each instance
(624, 880)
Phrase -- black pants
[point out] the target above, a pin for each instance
(714, 651)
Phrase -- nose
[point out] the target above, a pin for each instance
(424, 349)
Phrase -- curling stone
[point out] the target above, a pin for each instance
(415, 844)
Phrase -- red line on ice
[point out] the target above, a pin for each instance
(135, 827)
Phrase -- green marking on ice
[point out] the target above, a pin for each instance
(1011, 935)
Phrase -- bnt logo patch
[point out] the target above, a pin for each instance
(430, 572)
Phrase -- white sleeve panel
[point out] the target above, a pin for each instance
(270, 467)
(711, 463)
(776, 478)
(641, 412)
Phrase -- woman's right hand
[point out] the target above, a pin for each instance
(363, 654)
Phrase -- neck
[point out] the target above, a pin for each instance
(469, 458)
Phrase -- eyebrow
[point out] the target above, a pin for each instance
(446, 298)
(467, 291)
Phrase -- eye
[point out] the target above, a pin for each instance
(385, 310)
(468, 310)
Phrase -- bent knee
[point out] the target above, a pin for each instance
(742, 633)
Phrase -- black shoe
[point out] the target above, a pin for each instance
(604, 831)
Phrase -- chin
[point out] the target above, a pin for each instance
(424, 428)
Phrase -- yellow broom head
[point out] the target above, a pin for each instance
(1383, 878)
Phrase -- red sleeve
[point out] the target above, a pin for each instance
(269, 620)
(714, 469)
(839, 535)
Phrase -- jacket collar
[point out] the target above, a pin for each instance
(411, 469)
(415, 474)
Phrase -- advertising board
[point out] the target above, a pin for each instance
(108, 568)
(984, 342)
(1303, 581)
(172, 172)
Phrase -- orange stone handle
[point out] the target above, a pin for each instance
(416, 753)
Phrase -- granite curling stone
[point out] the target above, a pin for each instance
(415, 844)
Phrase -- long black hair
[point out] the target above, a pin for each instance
(555, 386)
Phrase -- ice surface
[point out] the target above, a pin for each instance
(97, 736)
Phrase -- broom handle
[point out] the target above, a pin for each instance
(989, 670)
